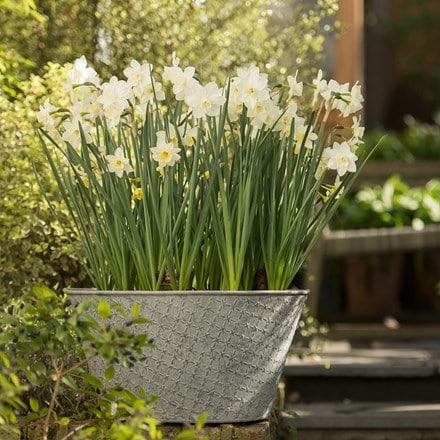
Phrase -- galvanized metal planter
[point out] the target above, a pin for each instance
(220, 352)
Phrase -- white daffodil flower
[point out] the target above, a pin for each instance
(284, 123)
(252, 86)
(300, 135)
(114, 99)
(72, 132)
(183, 80)
(320, 85)
(341, 158)
(44, 115)
(138, 75)
(80, 74)
(118, 163)
(295, 87)
(205, 101)
(165, 153)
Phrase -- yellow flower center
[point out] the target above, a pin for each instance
(164, 156)
(343, 160)
(205, 104)
(259, 108)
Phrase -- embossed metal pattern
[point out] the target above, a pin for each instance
(220, 352)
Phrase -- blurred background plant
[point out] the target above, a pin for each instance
(416, 141)
(218, 35)
(393, 204)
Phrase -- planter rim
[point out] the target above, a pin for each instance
(92, 291)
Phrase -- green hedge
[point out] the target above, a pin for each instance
(33, 246)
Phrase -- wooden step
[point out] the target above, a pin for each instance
(379, 373)
(388, 390)
(362, 420)
(384, 361)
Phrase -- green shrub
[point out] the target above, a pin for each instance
(45, 345)
(49, 343)
(34, 249)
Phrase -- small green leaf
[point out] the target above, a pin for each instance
(31, 377)
(6, 319)
(5, 360)
(104, 309)
(92, 380)
(14, 379)
(33, 403)
(141, 320)
(64, 421)
(135, 310)
(188, 434)
(109, 373)
(43, 292)
(68, 381)
(31, 416)
(201, 420)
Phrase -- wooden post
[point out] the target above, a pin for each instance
(349, 52)
(350, 44)
(349, 67)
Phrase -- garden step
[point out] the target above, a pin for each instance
(362, 420)
(380, 373)
(389, 391)
(376, 362)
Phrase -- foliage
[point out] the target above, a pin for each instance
(45, 345)
(47, 31)
(395, 204)
(417, 141)
(219, 35)
(14, 66)
(10, 396)
(24, 8)
(33, 246)
(50, 343)
(170, 189)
